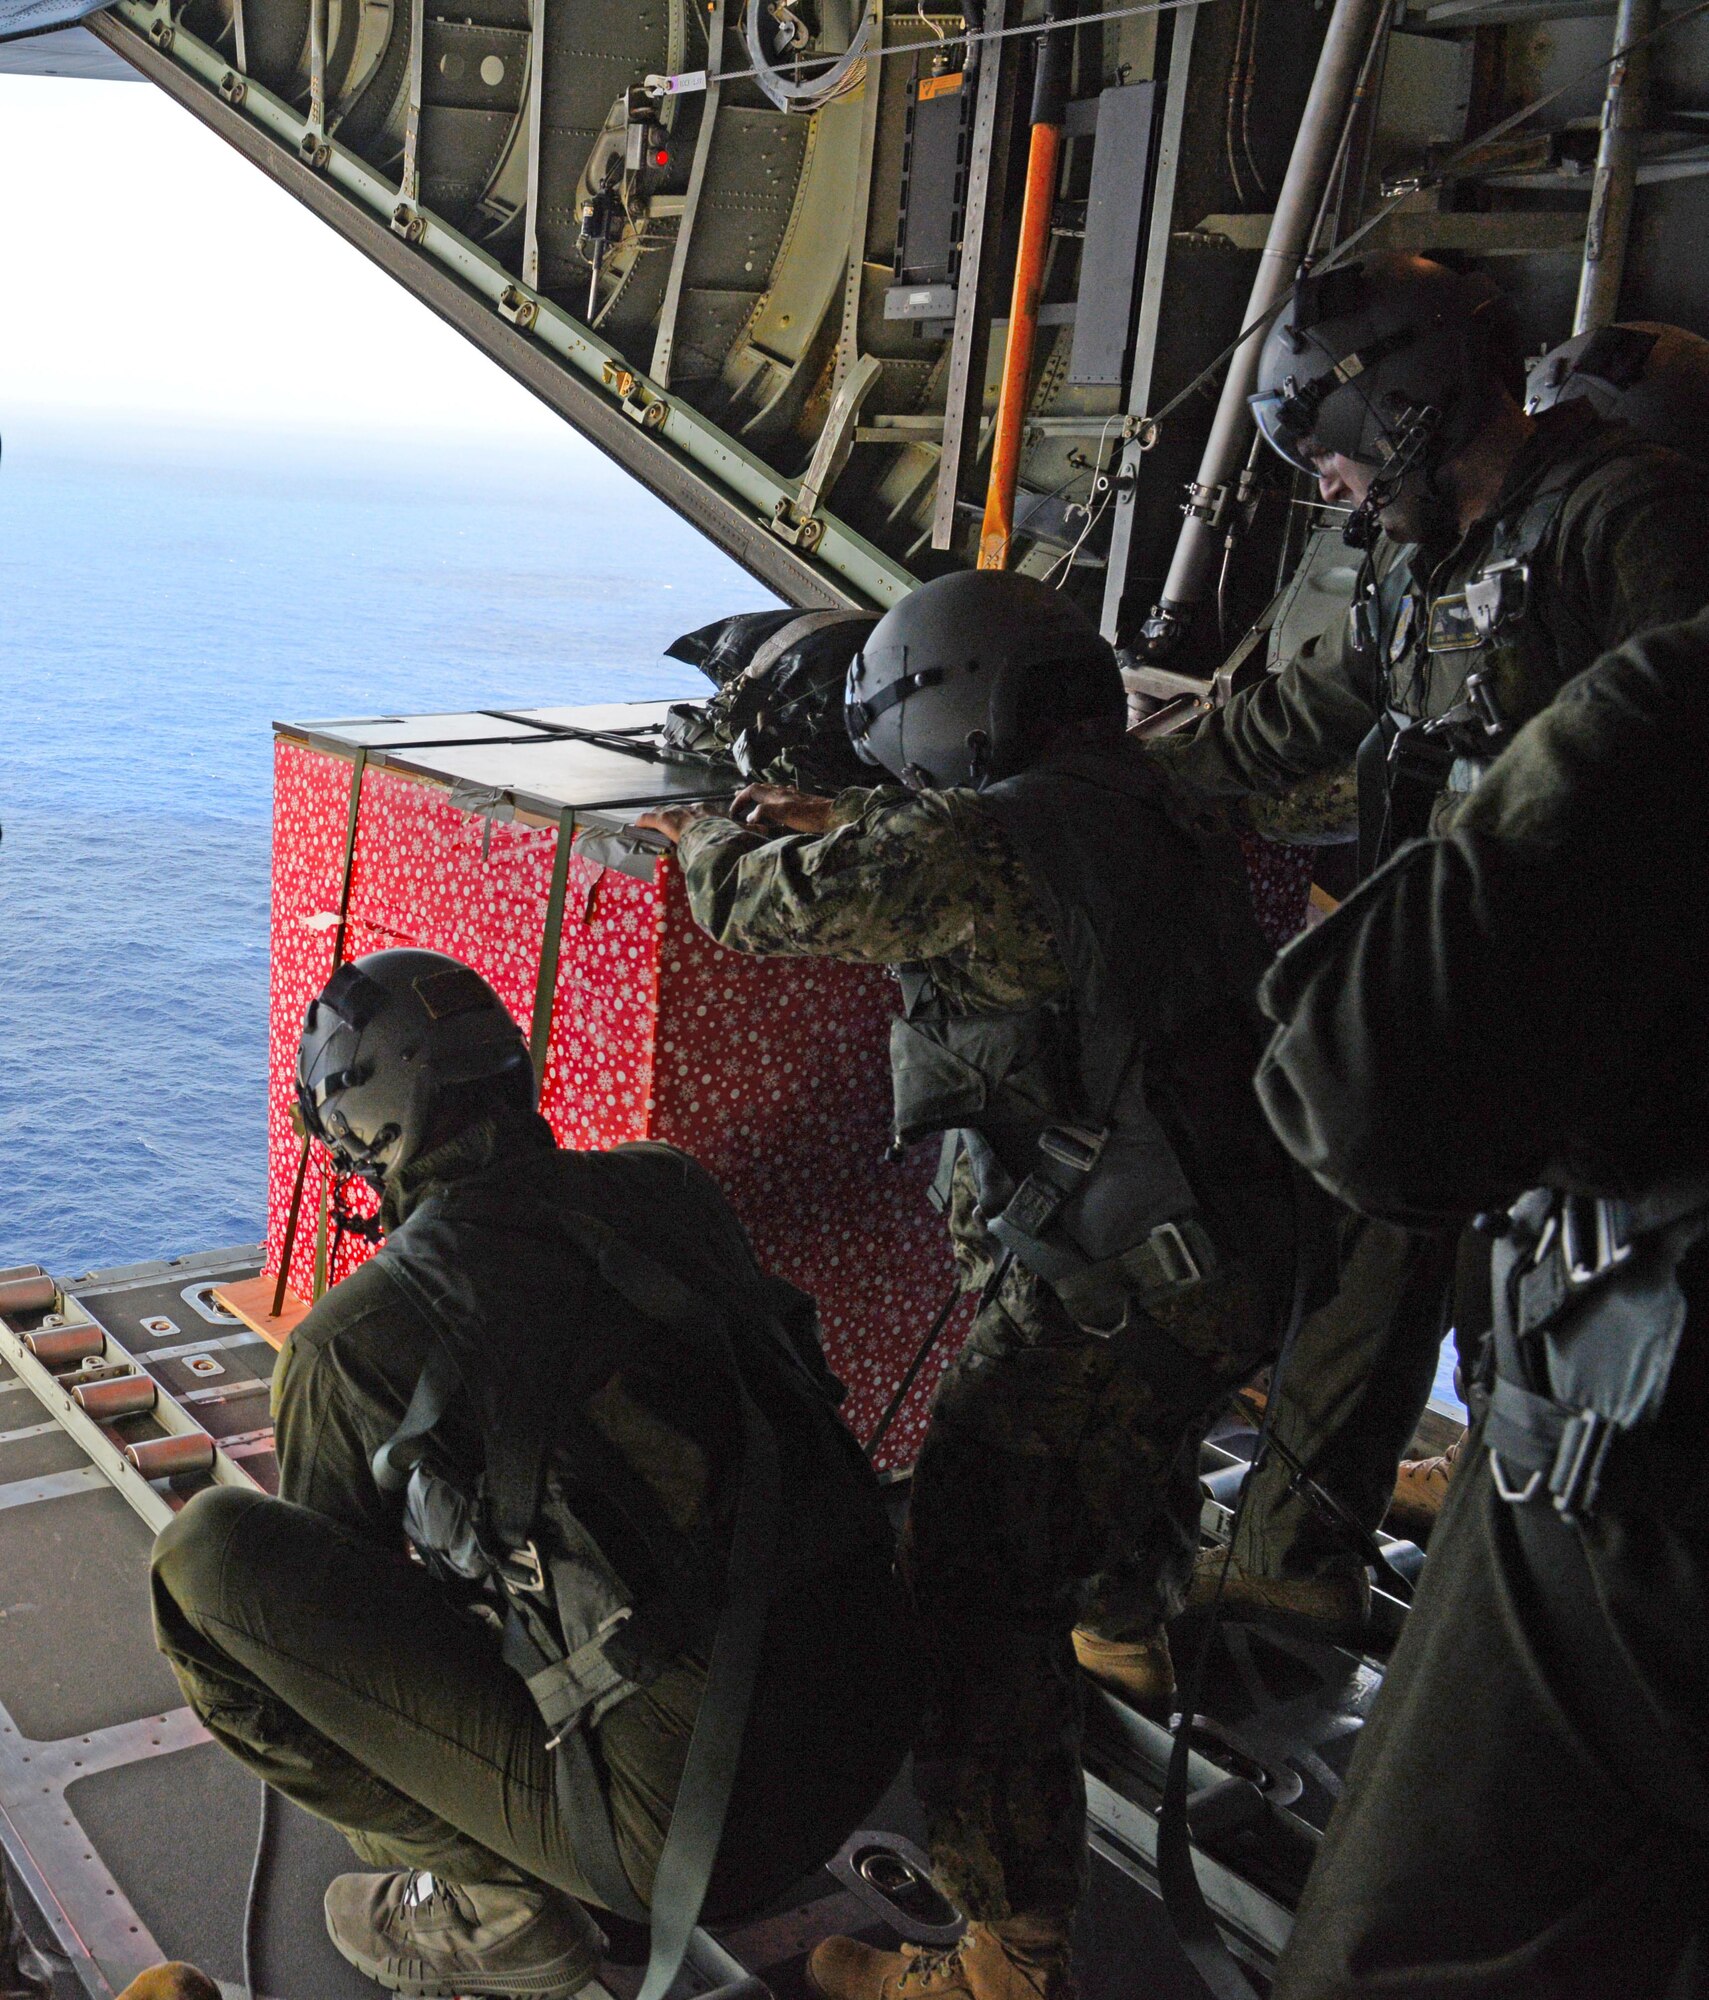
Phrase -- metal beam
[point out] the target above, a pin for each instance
(536, 137)
(664, 340)
(970, 335)
(1346, 48)
(848, 337)
(1482, 233)
(1152, 275)
(716, 484)
(409, 189)
(1625, 106)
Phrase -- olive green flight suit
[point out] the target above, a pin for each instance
(1058, 1482)
(1623, 548)
(363, 1688)
(1521, 1003)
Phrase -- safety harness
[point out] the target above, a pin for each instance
(1079, 1177)
(1511, 670)
(1588, 1320)
(577, 1629)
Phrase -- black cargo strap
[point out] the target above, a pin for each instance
(347, 873)
(714, 1751)
(546, 981)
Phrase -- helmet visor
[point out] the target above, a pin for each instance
(1285, 419)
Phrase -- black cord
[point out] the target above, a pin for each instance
(255, 1900)
(913, 1369)
(1334, 1511)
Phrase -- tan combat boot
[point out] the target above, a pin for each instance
(1022, 1958)
(416, 1934)
(1334, 1608)
(1140, 1671)
(176, 1981)
(1420, 1488)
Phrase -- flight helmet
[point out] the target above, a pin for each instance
(953, 683)
(1651, 376)
(1384, 359)
(386, 1043)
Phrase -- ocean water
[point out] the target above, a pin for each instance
(163, 598)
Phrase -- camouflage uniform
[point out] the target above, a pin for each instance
(1624, 551)
(1057, 1483)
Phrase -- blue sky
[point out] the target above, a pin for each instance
(150, 273)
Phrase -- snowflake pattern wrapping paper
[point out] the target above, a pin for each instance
(773, 1074)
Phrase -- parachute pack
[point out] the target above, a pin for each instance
(777, 713)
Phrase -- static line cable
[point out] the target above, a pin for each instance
(260, 1874)
(934, 1334)
(687, 82)
(1145, 429)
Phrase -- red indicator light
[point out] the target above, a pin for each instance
(661, 158)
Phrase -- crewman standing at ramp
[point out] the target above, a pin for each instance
(1503, 553)
(1509, 1020)
(1077, 967)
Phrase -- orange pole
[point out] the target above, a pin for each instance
(1037, 204)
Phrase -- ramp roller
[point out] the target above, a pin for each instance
(121, 1396)
(167, 1457)
(65, 1346)
(28, 1294)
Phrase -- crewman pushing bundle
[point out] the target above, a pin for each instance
(1077, 969)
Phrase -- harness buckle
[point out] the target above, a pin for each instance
(1498, 595)
(1076, 1147)
(1607, 1246)
(1180, 1266)
(522, 1569)
(1515, 1496)
(1576, 1477)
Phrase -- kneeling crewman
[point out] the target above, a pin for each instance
(1077, 970)
(602, 1427)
